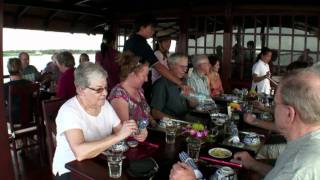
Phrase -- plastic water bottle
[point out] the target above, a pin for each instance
(199, 97)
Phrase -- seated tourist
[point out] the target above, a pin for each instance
(127, 97)
(198, 79)
(166, 95)
(297, 119)
(215, 83)
(87, 124)
(83, 58)
(29, 72)
(50, 74)
(65, 86)
(14, 69)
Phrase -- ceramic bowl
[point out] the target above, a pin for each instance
(132, 144)
(251, 139)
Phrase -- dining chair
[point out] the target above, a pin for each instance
(24, 126)
(50, 110)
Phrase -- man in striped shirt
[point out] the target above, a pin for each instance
(198, 79)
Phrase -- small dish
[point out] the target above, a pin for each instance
(251, 139)
(220, 153)
(132, 144)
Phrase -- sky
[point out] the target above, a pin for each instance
(20, 39)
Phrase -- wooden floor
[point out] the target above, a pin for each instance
(31, 167)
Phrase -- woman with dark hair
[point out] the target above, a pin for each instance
(107, 56)
(215, 83)
(261, 72)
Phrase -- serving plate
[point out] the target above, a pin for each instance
(220, 153)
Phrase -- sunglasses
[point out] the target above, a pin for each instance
(98, 90)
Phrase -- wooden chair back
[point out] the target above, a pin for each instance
(50, 110)
(23, 105)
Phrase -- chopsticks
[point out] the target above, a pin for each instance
(220, 162)
(184, 157)
(149, 144)
(176, 120)
(273, 81)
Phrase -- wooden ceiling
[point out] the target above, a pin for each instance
(91, 16)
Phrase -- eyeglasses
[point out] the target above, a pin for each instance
(182, 66)
(98, 90)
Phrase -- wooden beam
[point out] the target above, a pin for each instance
(58, 6)
(5, 156)
(50, 17)
(81, 2)
(19, 15)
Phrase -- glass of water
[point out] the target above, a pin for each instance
(171, 130)
(194, 146)
(114, 158)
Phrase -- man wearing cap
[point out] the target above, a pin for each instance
(198, 79)
(137, 44)
(161, 52)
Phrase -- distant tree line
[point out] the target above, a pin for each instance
(48, 51)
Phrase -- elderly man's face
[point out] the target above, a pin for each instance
(24, 58)
(204, 67)
(281, 114)
(180, 68)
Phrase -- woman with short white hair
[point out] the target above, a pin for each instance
(87, 124)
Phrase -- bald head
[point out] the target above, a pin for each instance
(300, 89)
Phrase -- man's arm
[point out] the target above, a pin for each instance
(157, 114)
(257, 78)
(250, 163)
(252, 120)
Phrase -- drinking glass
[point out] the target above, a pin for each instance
(114, 158)
(171, 130)
(194, 146)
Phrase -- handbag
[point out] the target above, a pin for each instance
(143, 168)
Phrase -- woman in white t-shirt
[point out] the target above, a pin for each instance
(87, 124)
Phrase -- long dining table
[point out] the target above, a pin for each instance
(164, 154)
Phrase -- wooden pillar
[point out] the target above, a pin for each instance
(182, 41)
(227, 48)
(6, 168)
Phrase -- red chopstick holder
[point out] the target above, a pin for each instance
(150, 144)
(220, 162)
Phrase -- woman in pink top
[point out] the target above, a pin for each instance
(127, 97)
(214, 77)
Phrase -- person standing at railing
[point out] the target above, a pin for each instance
(107, 56)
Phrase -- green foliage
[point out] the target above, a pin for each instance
(48, 51)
